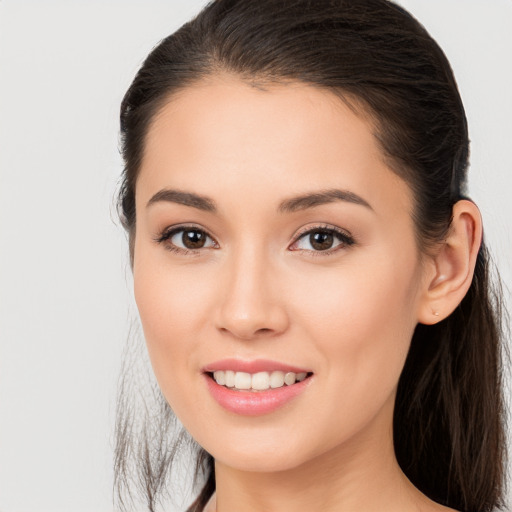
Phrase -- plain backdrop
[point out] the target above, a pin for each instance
(65, 289)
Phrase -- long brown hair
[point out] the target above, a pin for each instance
(449, 413)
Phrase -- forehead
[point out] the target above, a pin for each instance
(224, 134)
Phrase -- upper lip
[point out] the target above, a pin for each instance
(255, 366)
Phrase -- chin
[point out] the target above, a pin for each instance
(254, 461)
(266, 450)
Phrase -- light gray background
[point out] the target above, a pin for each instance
(64, 280)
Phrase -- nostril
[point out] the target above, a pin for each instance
(264, 330)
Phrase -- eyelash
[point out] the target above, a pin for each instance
(346, 239)
(168, 233)
(342, 236)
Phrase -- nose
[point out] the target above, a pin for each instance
(251, 303)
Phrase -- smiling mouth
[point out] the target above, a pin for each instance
(256, 382)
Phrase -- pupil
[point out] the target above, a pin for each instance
(321, 240)
(193, 239)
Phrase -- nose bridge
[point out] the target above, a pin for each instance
(250, 304)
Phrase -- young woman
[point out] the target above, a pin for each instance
(309, 271)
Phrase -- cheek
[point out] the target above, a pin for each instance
(362, 320)
(377, 296)
(169, 296)
(165, 315)
(175, 304)
(168, 302)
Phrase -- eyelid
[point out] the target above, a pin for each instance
(344, 236)
(166, 234)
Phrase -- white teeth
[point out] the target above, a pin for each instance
(220, 378)
(230, 379)
(260, 381)
(277, 380)
(243, 380)
(289, 378)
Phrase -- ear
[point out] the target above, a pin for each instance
(450, 270)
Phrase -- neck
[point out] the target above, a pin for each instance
(361, 474)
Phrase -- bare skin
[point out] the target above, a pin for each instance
(259, 289)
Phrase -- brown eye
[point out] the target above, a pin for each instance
(183, 239)
(321, 240)
(193, 239)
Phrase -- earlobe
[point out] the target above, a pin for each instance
(453, 264)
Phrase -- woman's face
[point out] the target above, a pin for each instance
(272, 239)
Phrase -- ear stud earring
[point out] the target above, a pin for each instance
(435, 313)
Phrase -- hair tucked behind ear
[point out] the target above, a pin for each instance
(449, 414)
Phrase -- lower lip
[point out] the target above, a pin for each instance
(254, 403)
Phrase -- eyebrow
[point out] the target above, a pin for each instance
(293, 204)
(320, 197)
(185, 198)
